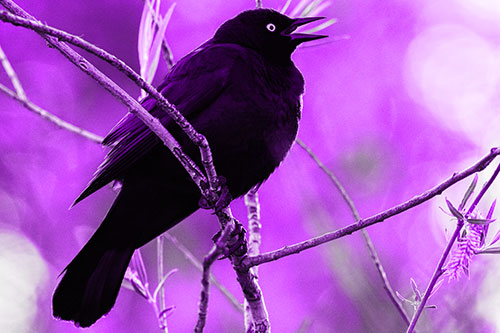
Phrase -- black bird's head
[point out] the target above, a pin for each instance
(266, 31)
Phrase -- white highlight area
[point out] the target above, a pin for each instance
(488, 11)
(22, 273)
(455, 74)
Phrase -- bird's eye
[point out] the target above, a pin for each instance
(271, 27)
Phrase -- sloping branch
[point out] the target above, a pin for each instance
(248, 282)
(366, 237)
(415, 201)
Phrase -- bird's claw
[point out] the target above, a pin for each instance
(222, 202)
(237, 244)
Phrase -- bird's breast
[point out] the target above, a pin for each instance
(254, 125)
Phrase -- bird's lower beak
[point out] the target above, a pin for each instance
(299, 38)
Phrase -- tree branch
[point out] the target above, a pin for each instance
(23, 19)
(415, 201)
(366, 237)
(254, 241)
(196, 263)
(50, 117)
(12, 75)
(209, 259)
(439, 268)
(248, 283)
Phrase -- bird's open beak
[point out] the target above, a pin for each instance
(299, 38)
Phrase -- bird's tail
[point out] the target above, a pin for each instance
(91, 283)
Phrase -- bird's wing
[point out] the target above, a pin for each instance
(194, 83)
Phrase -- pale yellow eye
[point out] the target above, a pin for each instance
(271, 27)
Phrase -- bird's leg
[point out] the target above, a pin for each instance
(224, 199)
(236, 244)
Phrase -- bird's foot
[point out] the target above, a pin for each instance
(224, 199)
(237, 244)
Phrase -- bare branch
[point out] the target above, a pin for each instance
(21, 18)
(247, 281)
(254, 226)
(209, 259)
(20, 95)
(12, 75)
(50, 117)
(196, 263)
(415, 201)
(439, 268)
(160, 265)
(254, 241)
(369, 244)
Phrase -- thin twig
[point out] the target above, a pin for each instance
(20, 96)
(366, 237)
(254, 225)
(209, 259)
(248, 282)
(254, 240)
(133, 105)
(196, 263)
(415, 201)
(23, 19)
(98, 139)
(258, 3)
(439, 268)
(12, 75)
(160, 265)
(50, 117)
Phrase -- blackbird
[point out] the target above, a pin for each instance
(243, 92)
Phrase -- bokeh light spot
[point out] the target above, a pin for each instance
(455, 73)
(23, 273)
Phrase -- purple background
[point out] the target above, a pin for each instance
(409, 99)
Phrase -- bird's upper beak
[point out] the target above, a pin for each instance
(298, 38)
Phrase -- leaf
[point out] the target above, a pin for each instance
(492, 209)
(164, 314)
(322, 26)
(481, 221)
(285, 7)
(162, 282)
(310, 7)
(401, 297)
(146, 34)
(155, 51)
(139, 288)
(418, 295)
(320, 8)
(496, 238)
(137, 265)
(442, 209)
(490, 250)
(454, 211)
(299, 7)
(469, 192)
(436, 287)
